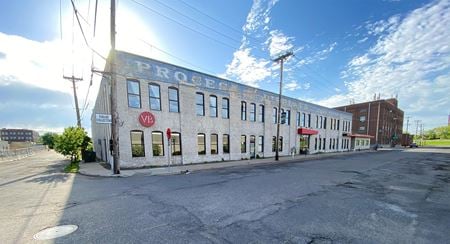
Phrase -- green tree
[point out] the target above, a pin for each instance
(71, 142)
(49, 139)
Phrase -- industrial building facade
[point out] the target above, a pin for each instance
(381, 119)
(210, 118)
(18, 135)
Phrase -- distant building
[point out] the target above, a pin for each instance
(381, 119)
(18, 135)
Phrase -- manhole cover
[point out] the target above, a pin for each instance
(55, 232)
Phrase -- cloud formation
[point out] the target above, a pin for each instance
(411, 58)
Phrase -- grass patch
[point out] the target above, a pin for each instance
(72, 167)
(438, 143)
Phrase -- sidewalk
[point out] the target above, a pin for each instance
(95, 169)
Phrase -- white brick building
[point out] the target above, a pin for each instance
(211, 119)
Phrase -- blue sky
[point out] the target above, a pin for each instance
(346, 50)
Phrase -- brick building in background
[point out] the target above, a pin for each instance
(382, 116)
(18, 135)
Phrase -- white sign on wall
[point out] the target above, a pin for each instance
(103, 118)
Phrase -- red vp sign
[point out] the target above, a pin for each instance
(147, 119)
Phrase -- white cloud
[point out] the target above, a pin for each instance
(259, 15)
(247, 68)
(411, 59)
(279, 43)
(318, 56)
(292, 85)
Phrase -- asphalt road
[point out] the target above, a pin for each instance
(383, 197)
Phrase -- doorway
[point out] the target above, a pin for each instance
(252, 147)
(304, 144)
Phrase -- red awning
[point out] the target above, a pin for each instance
(305, 131)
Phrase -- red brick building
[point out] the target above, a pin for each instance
(381, 119)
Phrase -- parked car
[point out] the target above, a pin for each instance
(413, 145)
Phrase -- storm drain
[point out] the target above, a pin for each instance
(55, 232)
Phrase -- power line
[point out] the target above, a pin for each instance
(187, 27)
(196, 21)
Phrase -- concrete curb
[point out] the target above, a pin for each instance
(96, 170)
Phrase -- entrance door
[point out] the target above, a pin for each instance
(252, 147)
(304, 144)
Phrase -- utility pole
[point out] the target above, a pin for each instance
(407, 124)
(417, 129)
(73, 79)
(281, 60)
(114, 114)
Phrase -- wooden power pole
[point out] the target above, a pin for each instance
(73, 79)
(281, 60)
(114, 114)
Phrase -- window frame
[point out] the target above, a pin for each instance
(212, 144)
(243, 110)
(225, 109)
(142, 144)
(261, 113)
(197, 94)
(204, 144)
(212, 107)
(162, 144)
(150, 97)
(173, 144)
(244, 145)
(228, 143)
(260, 144)
(133, 94)
(252, 112)
(170, 100)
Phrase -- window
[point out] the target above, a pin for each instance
(324, 143)
(201, 144)
(297, 119)
(212, 106)
(303, 122)
(274, 142)
(329, 147)
(225, 108)
(315, 143)
(243, 144)
(275, 115)
(137, 143)
(173, 100)
(176, 143)
(134, 94)
(309, 120)
(321, 122)
(280, 144)
(243, 110)
(261, 144)
(154, 97)
(320, 143)
(317, 121)
(362, 118)
(252, 112)
(338, 124)
(226, 143)
(199, 104)
(288, 117)
(261, 113)
(361, 128)
(214, 144)
(157, 143)
(281, 115)
(325, 122)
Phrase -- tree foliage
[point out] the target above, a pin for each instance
(71, 143)
(442, 132)
(49, 139)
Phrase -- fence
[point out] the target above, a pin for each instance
(6, 155)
